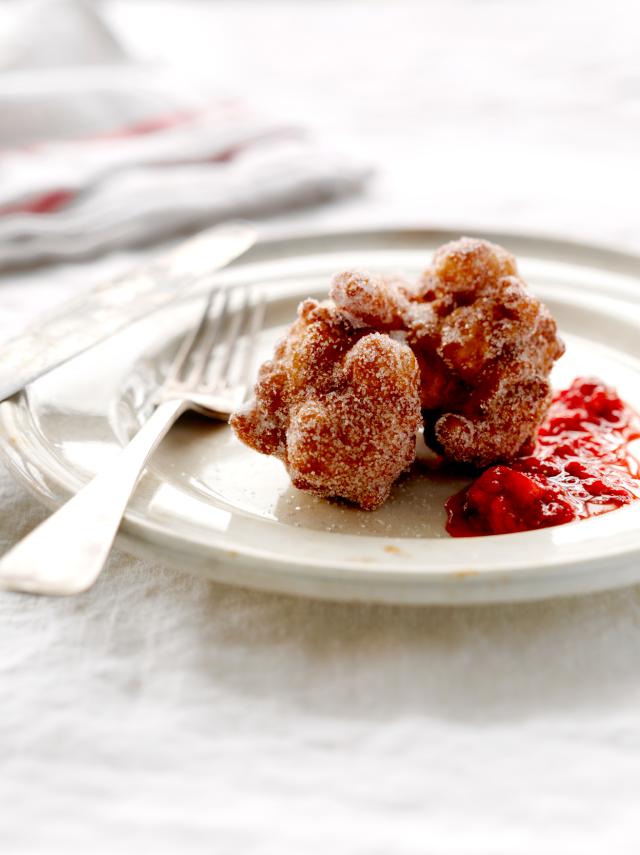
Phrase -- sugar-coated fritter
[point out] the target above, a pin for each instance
(467, 346)
(484, 343)
(339, 405)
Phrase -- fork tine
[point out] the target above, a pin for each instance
(188, 342)
(220, 375)
(208, 340)
(253, 328)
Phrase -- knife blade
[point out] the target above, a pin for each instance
(84, 321)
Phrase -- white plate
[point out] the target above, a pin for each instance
(209, 505)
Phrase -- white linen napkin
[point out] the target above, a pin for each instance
(98, 151)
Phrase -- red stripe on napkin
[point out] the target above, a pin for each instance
(48, 203)
(54, 200)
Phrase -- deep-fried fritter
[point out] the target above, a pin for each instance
(339, 405)
(485, 346)
(468, 345)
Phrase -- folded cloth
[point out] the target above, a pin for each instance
(98, 151)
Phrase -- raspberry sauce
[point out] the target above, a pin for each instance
(581, 466)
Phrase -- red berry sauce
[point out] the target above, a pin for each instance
(581, 466)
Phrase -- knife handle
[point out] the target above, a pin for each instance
(65, 554)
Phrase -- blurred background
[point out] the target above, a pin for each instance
(522, 114)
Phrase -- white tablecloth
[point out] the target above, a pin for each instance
(160, 713)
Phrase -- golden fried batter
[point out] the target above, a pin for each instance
(485, 346)
(467, 344)
(339, 405)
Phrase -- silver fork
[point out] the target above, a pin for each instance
(65, 553)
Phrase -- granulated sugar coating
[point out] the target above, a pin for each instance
(467, 344)
(484, 343)
(339, 405)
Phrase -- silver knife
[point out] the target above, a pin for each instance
(86, 320)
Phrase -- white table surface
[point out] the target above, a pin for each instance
(160, 713)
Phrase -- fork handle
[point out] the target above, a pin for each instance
(66, 552)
